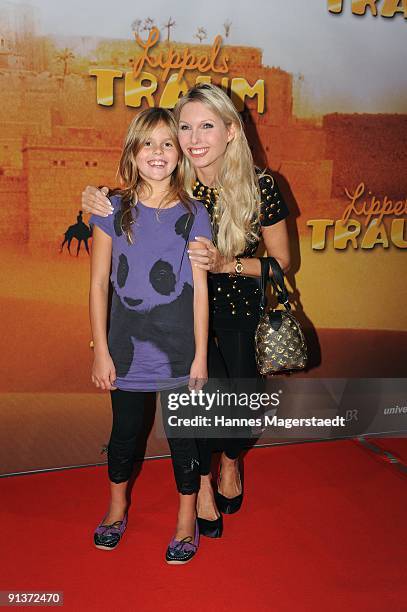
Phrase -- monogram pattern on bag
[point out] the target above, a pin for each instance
(284, 349)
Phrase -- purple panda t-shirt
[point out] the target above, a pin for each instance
(151, 334)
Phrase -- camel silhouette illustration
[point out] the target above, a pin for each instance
(80, 231)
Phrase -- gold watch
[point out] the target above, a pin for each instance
(238, 266)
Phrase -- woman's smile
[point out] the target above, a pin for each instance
(198, 151)
(203, 137)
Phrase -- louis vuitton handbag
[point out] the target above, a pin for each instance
(279, 340)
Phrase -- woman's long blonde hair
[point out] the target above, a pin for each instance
(237, 182)
(131, 183)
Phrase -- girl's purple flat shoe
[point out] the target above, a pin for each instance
(107, 537)
(182, 551)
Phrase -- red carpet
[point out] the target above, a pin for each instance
(322, 527)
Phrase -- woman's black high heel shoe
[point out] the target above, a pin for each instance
(211, 529)
(228, 505)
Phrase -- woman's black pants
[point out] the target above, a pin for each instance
(128, 415)
(232, 356)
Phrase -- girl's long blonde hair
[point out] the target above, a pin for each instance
(139, 131)
(237, 182)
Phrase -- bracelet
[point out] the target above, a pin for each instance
(238, 267)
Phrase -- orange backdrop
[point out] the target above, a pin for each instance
(66, 102)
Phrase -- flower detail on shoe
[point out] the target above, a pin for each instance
(108, 536)
(182, 551)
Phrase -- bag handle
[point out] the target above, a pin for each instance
(276, 280)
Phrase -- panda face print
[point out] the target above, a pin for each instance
(117, 222)
(131, 331)
(162, 277)
(122, 270)
(154, 286)
(132, 302)
(183, 225)
(147, 272)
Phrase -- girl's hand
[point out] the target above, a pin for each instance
(198, 375)
(208, 257)
(104, 372)
(94, 201)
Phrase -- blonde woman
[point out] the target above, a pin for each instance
(245, 206)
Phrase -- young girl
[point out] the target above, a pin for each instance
(159, 314)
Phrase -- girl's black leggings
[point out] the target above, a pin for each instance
(231, 356)
(128, 415)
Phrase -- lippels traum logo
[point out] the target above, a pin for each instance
(153, 64)
(385, 8)
(371, 230)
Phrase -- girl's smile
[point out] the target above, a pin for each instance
(157, 163)
(158, 156)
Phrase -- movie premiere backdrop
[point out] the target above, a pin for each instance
(322, 89)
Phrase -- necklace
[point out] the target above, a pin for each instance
(209, 196)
